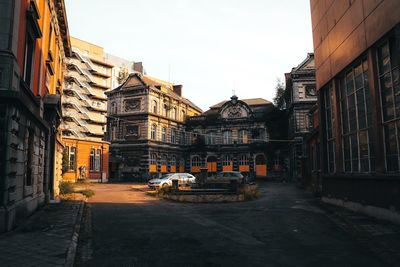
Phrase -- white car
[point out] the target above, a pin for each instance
(166, 180)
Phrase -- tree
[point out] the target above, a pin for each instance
(280, 95)
(122, 74)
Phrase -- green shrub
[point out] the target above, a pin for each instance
(66, 188)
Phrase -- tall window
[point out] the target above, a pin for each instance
(243, 137)
(164, 160)
(72, 158)
(327, 96)
(354, 99)
(211, 138)
(164, 134)
(389, 80)
(227, 137)
(173, 115)
(196, 161)
(155, 107)
(183, 115)
(153, 158)
(302, 120)
(173, 136)
(97, 162)
(28, 57)
(154, 132)
(92, 160)
(243, 160)
(173, 161)
(226, 160)
(165, 110)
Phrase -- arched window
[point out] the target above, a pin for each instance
(173, 136)
(243, 160)
(196, 161)
(154, 132)
(173, 161)
(165, 110)
(153, 158)
(173, 115)
(211, 138)
(243, 137)
(164, 134)
(163, 159)
(227, 137)
(226, 160)
(155, 107)
(183, 115)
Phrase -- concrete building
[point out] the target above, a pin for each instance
(235, 135)
(87, 78)
(34, 42)
(357, 57)
(121, 69)
(301, 95)
(145, 127)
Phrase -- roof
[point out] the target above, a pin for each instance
(250, 102)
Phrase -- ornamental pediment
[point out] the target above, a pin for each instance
(235, 109)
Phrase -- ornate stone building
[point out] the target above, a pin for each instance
(146, 127)
(301, 95)
(237, 135)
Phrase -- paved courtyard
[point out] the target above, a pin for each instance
(285, 227)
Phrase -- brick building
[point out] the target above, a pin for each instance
(34, 42)
(357, 60)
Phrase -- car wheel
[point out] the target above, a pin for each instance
(164, 185)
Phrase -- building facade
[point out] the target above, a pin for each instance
(87, 78)
(146, 127)
(301, 95)
(237, 135)
(357, 55)
(34, 42)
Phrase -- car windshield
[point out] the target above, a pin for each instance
(166, 176)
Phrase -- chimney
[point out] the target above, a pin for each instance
(177, 89)
(138, 67)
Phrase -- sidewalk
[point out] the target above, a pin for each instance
(378, 236)
(48, 238)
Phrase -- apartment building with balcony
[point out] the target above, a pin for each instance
(88, 76)
(34, 42)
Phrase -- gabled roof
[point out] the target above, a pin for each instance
(307, 64)
(250, 102)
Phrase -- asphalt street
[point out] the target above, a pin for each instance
(284, 227)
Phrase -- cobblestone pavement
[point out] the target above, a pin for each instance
(46, 239)
(285, 227)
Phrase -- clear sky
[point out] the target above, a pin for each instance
(212, 47)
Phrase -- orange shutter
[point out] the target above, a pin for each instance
(153, 168)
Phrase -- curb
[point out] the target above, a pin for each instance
(71, 252)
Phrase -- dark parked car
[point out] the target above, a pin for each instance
(226, 177)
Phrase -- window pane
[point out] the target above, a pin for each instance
(354, 152)
(361, 109)
(349, 83)
(383, 55)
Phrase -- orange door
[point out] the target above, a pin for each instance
(261, 170)
(173, 168)
(153, 168)
(212, 166)
(163, 168)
